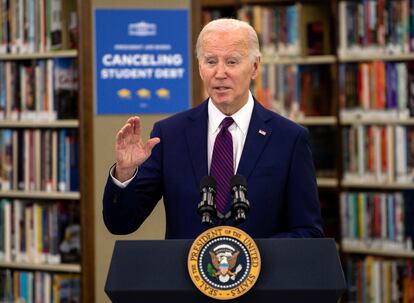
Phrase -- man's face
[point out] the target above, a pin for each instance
(226, 69)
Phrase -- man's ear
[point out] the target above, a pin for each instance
(256, 65)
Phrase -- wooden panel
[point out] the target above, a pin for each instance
(218, 3)
(86, 152)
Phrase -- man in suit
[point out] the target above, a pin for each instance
(269, 150)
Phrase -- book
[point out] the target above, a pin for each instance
(65, 88)
(69, 231)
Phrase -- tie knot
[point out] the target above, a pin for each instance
(227, 122)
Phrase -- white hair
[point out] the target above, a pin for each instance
(226, 25)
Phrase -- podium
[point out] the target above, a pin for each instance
(292, 270)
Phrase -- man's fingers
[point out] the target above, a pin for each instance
(137, 126)
(135, 123)
(123, 133)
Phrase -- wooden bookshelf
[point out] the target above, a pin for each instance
(217, 3)
(68, 268)
(377, 185)
(362, 57)
(39, 124)
(380, 121)
(327, 182)
(324, 59)
(39, 195)
(44, 55)
(321, 120)
(279, 2)
(35, 81)
(378, 252)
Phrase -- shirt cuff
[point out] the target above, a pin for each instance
(119, 183)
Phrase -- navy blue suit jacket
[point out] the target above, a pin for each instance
(277, 164)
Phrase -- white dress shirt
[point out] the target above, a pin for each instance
(238, 129)
(238, 132)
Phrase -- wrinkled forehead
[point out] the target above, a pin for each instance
(234, 42)
(221, 37)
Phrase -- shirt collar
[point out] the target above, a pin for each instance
(241, 117)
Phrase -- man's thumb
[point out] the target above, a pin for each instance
(151, 143)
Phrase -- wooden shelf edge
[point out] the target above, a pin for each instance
(321, 120)
(373, 57)
(327, 182)
(39, 124)
(217, 3)
(324, 59)
(378, 252)
(409, 121)
(377, 185)
(39, 195)
(40, 55)
(73, 268)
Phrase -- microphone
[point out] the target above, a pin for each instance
(240, 205)
(206, 208)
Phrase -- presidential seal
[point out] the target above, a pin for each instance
(224, 262)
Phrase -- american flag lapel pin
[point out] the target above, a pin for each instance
(262, 132)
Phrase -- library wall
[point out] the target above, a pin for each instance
(104, 132)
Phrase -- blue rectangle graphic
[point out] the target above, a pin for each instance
(142, 60)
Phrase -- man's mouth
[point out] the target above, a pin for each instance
(221, 88)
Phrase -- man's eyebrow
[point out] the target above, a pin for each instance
(234, 55)
(209, 55)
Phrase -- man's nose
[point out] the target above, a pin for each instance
(221, 71)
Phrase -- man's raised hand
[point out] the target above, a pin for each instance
(130, 150)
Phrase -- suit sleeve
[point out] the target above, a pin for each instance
(125, 209)
(302, 208)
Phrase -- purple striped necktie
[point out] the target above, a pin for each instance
(222, 168)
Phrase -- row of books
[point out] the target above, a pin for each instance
(39, 160)
(378, 153)
(377, 86)
(277, 27)
(37, 26)
(373, 279)
(39, 232)
(281, 28)
(295, 90)
(34, 287)
(379, 220)
(39, 89)
(212, 14)
(375, 26)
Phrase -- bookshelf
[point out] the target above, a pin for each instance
(40, 124)
(67, 268)
(40, 66)
(343, 55)
(327, 182)
(374, 57)
(323, 59)
(40, 195)
(377, 185)
(377, 252)
(40, 55)
(375, 117)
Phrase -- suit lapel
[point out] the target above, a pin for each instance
(257, 137)
(196, 134)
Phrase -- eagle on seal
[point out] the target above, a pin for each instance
(224, 264)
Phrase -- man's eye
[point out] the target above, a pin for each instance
(210, 62)
(231, 62)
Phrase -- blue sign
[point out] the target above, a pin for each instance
(142, 61)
